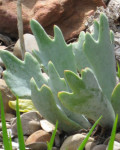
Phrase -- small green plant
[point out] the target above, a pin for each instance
(60, 93)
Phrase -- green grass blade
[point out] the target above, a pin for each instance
(112, 138)
(118, 72)
(19, 128)
(10, 141)
(4, 128)
(50, 144)
(82, 145)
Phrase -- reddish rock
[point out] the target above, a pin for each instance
(69, 15)
(38, 136)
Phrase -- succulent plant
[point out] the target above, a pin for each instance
(79, 79)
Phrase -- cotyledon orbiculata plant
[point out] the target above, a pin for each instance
(62, 94)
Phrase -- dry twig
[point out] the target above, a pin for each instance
(20, 27)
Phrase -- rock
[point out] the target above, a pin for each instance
(90, 145)
(30, 44)
(116, 146)
(30, 123)
(6, 96)
(9, 116)
(74, 141)
(69, 15)
(38, 136)
(37, 146)
(46, 125)
(100, 147)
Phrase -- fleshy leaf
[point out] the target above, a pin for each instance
(80, 57)
(44, 102)
(87, 100)
(95, 35)
(100, 54)
(115, 100)
(18, 73)
(89, 79)
(89, 95)
(55, 50)
(25, 105)
(58, 84)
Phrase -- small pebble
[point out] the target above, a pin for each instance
(47, 126)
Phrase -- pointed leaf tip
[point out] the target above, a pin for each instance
(102, 15)
(74, 81)
(50, 63)
(58, 35)
(33, 22)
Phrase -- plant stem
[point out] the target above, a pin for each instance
(20, 27)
